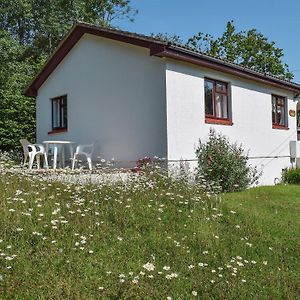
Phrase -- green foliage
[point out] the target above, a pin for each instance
(291, 176)
(29, 31)
(41, 24)
(250, 49)
(224, 163)
(167, 37)
(17, 112)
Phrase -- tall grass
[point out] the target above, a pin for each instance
(150, 237)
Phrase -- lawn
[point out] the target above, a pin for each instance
(148, 238)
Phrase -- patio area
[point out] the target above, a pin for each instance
(56, 151)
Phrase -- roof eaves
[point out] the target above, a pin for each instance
(183, 53)
(32, 87)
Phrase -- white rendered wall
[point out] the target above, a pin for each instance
(116, 98)
(251, 116)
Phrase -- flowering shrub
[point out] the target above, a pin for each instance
(9, 158)
(224, 163)
(291, 176)
(142, 163)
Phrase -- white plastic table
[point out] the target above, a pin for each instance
(56, 144)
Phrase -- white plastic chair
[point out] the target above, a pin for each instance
(87, 151)
(25, 143)
(33, 150)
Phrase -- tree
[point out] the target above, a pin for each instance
(17, 113)
(41, 24)
(29, 31)
(176, 39)
(250, 49)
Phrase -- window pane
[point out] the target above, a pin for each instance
(280, 115)
(274, 120)
(221, 106)
(221, 87)
(64, 116)
(209, 102)
(279, 111)
(59, 112)
(56, 115)
(280, 101)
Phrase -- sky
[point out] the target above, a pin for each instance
(278, 20)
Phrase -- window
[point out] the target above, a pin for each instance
(298, 121)
(216, 102)
(59, 113)
(279, 116)
(298, 116)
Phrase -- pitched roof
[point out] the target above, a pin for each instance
(158, 48)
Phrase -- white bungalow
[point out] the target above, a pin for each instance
(137, 96)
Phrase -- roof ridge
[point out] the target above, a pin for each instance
(118, 30)
(184, 46)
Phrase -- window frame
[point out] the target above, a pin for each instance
(276, 124)
(212, 119)
(63, 105)
(298, 119)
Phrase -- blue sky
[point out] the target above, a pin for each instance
(278, 20)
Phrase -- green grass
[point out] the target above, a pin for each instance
(270, 217)
(93, 242)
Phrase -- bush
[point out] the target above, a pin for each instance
(224, 163)
(10, 158)
(291, 176)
